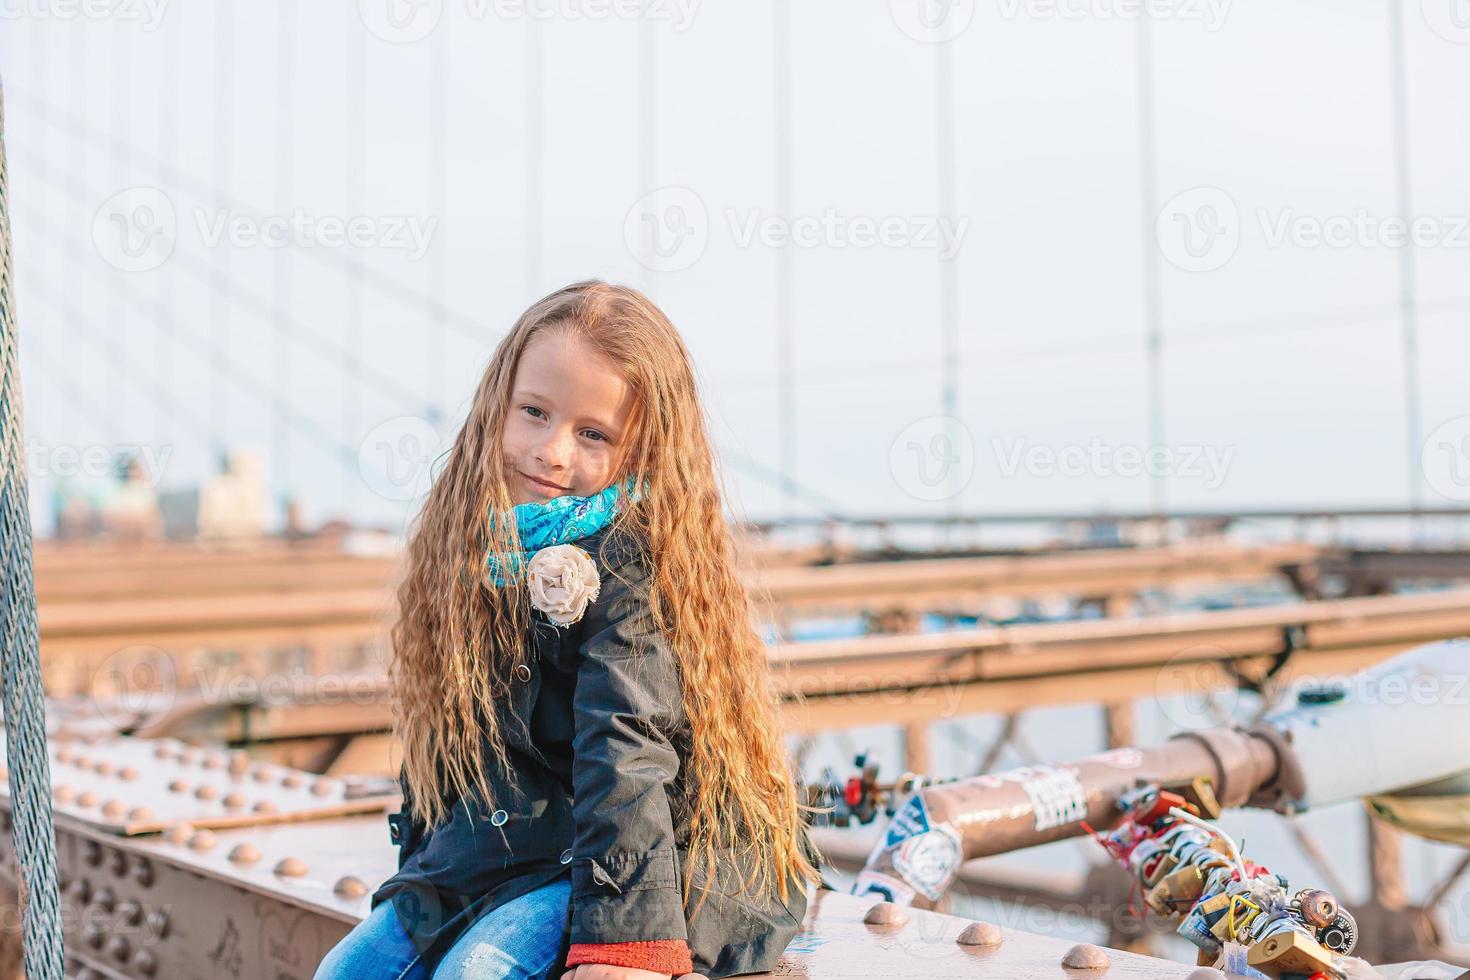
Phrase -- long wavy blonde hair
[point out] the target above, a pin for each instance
(457, 637)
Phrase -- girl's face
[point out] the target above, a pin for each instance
(568, 426)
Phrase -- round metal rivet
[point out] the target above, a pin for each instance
(291, 868)
(980, 934)
(886, 914)
(244, 853)
(350, 887)
(140, 813)
(206, 792)
(202, 840)
(265, 806)
(127, 773)
(1085, 956)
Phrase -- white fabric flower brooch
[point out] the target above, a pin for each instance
(563, 582)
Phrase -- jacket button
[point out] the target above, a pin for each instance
(566, 856)
(523, 672)
(498, 817)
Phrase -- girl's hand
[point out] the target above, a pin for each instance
(601, 971)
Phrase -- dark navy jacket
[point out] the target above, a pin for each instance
(596, 733)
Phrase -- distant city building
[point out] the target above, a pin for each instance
(233, 505)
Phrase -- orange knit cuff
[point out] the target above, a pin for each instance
(669, 956)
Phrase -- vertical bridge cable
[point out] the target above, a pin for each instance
(1408, 289)
(785, 259)
(25, 719)
(1152, 297)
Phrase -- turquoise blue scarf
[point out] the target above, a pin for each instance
(541, 524)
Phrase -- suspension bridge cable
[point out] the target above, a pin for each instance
(462, 323)
(28, 763)
(224, 288)
(80, 395)
(205, 348)
(354, 181)
(535, 109)
(1273, 325)
(1408, 288)
(281, 263)
(1148, 153)
(949, 286)
(224, 132)
(118, 352)
(782, 138)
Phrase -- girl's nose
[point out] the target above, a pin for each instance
(556, 450)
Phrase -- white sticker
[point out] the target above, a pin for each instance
(928, 861)
(1056, 796)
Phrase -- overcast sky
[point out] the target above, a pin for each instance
(152, 146)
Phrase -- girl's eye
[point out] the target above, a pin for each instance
(594, 434)
(534, 411)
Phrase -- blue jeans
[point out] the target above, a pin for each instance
(520, 940)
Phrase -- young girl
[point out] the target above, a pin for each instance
(594, 778)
